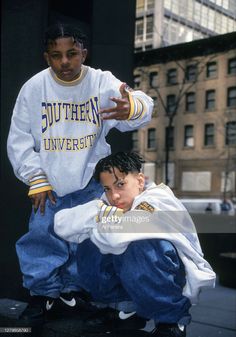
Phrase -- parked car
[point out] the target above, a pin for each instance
(207, 205)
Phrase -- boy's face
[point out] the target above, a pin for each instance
(122, 188)
(65, 58)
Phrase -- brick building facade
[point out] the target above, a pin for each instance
(191, 139)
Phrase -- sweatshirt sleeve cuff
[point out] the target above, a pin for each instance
(137, 106)
(39, 184)
(108, 212)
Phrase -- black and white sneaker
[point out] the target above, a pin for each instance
(42, 308)
(75, 303)
(168, 330)
(36, 310)
(110, 320)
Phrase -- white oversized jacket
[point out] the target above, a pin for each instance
(57, 136)
(155, 213)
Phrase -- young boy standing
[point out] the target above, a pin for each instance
(157, 263)
(57, 135)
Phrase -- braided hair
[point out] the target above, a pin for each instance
(60, 30)
(124, 161)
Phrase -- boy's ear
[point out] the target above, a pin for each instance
(84, 54)
(45, 54)
(141, 179)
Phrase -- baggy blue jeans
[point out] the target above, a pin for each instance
(149, 273)
(48, 263)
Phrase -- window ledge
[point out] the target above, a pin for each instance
(210, 110)
(211, 78)
(189, 148)
(230, 145)
(231, 107)
(171, 84)
(231, 75)
(210, 147)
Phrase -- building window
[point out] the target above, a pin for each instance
(167, 4)
(211, 69)
(137, 81)
(151, 144)
(231, 97)
(197, 13)
(143, 5)
(144, 29)
(140, 5)
(170, 137)
(172, 76)
(230, 133)
(188, 136)
(153, 79)
(135, 140)
(232, 66)
(209, 134)
(154, 112)
(170, 104)
(148, 47)
(211, 19)
(210, 99)
(149, 27)
(204, 16)
(139, 30)
(138, 50)
(190, 102)
(150, 4)
(191, 72)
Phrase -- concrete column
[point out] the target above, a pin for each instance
(112, 42)
(23, 23)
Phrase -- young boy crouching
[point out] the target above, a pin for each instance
(138, 249)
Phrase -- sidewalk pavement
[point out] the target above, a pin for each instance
(214, 316)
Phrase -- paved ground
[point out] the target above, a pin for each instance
(214, 316)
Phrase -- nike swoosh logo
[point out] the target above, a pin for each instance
(49, 305)
(71, 302)
(123, 315)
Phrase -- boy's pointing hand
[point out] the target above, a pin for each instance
(122, 109)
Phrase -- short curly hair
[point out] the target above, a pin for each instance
(124, 161)
(60, 30)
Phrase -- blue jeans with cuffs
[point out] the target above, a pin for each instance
(47, 262)
(149, 274)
